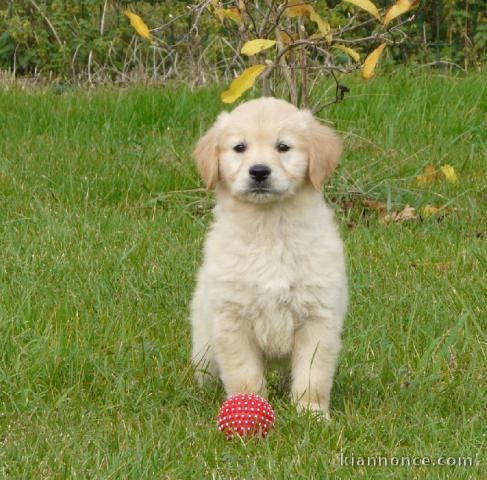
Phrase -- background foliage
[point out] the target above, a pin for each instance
(80, 39)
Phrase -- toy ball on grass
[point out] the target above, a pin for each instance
(245, 415)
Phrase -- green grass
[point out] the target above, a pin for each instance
(102, 224)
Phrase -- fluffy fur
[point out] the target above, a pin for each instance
(273, 281)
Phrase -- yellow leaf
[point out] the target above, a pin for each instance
(323, 27)
(371, 61)
(140, 27)
(255, 46)
(429, 176)
(316, 36)
(285, 38)
(429, 210)
(400, 7)
(366, 5)
(242, 83)
(233, 13)
(349, 51)
(297, 9)
(449, 173)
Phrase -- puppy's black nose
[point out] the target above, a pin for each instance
(259, 172)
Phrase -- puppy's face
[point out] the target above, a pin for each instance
(260, 161)
(266, 149)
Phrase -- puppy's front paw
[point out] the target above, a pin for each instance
(258, 387)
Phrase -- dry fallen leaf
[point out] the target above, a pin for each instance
(255, 46)
(407, 213)
(439, 213)
(429, 176)
(374, 204)
(400, 7)
(371, 62)
(429, 210)
(140, 27)
(242, 83)
(449, 173)
(442, 267)
(366, 5)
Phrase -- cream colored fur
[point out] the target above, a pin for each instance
(273, 281)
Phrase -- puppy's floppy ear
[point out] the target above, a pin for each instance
(325, 148)
(206, 153)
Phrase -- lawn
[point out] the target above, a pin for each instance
(102, 219)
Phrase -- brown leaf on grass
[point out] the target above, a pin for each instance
(374, 204)
(429, 210)
(428, 176)
(441, 267)
(433, 211)
(407, 213)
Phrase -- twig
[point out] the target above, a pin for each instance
(102, 21)
(89, 67)
(339, 95)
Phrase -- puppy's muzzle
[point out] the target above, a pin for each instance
(259, 173)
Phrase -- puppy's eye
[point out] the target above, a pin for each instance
(282, 147)
(240, 148)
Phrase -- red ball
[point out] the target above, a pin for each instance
(245, 414)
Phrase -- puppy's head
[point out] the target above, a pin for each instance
(267, 149)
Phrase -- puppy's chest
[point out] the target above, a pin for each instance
(274, 297)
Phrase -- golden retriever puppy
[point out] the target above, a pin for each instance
(273, 281)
